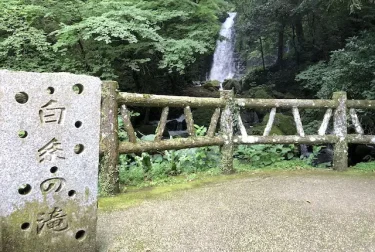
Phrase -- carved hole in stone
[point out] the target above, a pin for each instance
(78, 124)
(22, 134)
(71, 193)
(22, 97)
(25, 226)
(78, 88)
(50, 90)
(24, 189)
(78, 149)
(80, 235)
(53, 169)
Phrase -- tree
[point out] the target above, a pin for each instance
(110, 39)
(351, 69)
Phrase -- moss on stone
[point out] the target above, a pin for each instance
(260, 92)
(254, 78)
(283, 122)
(19, 230)
(283, 125)
(211, 84)
(258, 130)
(232, 84)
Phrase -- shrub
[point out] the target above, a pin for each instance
(261, 155)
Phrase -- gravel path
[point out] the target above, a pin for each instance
(306, 212)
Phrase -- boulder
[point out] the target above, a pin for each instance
(283, 125)
(230, 84)
(211, 84)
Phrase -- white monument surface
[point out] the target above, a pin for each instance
(49, 142)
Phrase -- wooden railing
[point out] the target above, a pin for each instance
(226, 110)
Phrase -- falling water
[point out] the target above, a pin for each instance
(223, 66)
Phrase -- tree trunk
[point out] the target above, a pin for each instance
(280, 46)
(295, 45)
(83, 52)
(300, 38)
(300, 33)
(137, 83)
(262, 52)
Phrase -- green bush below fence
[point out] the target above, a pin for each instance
(164, 167)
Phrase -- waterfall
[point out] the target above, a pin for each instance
(223, 66)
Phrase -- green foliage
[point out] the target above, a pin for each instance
(110, 39)
(123, 136)
(350, 69)
(260, 92)
(368, 166)
(284, 165)
(298, 30)
(22, 45)
(135, 169)
(253, 78)
(261, 155)
(200, 130)
(312, 157)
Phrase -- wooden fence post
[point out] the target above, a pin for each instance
(226, 126)
(340, 158)
(109, 175)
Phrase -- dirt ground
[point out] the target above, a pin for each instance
(278, 212)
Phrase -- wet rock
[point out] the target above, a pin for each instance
(325, 156)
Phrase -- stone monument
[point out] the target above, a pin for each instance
(49, 142)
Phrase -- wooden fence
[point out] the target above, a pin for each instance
(226, 110)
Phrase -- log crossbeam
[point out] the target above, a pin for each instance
(125, 113)
(324, 126)
(162, 124)
(189, 121)
(298, 122)
(241, 126)
(271, 119)
(356, 122)
(172, 144)
(213, 124)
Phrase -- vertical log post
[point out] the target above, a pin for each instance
(226, 126)
(340, 158)
(109, 175)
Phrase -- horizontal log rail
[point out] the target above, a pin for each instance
(147, 100)
(361, 104)
(285, 103)
(338, 109)
(312, 139)
(361, 139)
(183, 143)
(172, 144)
